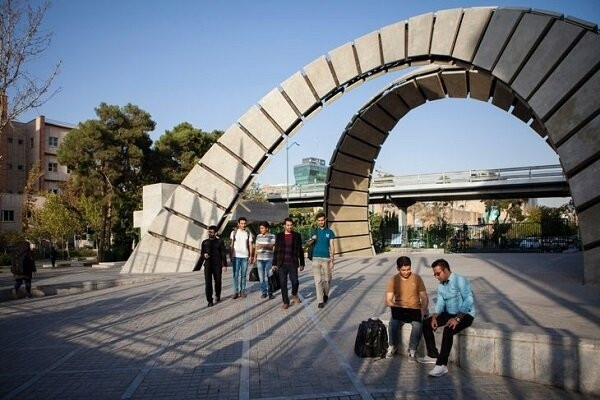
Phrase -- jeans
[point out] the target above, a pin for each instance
(415, 333)
(264, 267)
(240, 271)
(284, 271)
(447, 336)
(322, 274)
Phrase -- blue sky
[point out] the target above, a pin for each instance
(208, 62)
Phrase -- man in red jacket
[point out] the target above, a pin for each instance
(288, 256)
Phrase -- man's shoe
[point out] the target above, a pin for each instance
(427, 360)
(236, 295)
(242, 294)
(438, 370)
(390, 351)
(296, 299)
(285, 306)
(210, 304)
(320, 305)
(325, 298)
(264, 295)
(271, 297)
(218, 299)
(412, 356)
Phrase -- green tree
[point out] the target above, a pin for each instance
(178, 150)
(57, 220)
(375, 221)
(108, 157)
(29, 195)
(254, 193)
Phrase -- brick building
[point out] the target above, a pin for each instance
(21, 146)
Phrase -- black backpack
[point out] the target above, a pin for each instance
(371, 339)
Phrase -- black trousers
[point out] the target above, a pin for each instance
(212, 272)
(447, 336)
(284, 272)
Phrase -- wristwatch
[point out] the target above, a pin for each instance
(457, 319)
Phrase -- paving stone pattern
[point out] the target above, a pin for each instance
(158, 340)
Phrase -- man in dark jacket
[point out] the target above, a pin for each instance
(214, 259)
(288, 256)
(23, 267)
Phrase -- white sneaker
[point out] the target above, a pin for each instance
(427, 360)
(390, 351)
(411, 356)
(438, 370)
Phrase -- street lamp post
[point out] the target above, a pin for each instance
(287, 171)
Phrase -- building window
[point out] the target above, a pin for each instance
(20, 167)
(53, 141)
(9, 166)
(52, 167)
(8, 215)
(20, 141)
(31, 142)
(9, 139)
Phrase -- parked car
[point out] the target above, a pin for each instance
(417, 243)
(530, 243)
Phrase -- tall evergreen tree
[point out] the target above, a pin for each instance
(108, 156)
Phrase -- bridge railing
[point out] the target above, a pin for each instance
(471, 176)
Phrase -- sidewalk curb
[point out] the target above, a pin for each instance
(73, 288)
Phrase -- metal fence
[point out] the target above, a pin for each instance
(523, 236)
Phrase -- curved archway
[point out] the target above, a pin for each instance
(546, 63)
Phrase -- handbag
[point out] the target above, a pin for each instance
(253, 276)
(310, 250)
(274, 281)
(311, 246)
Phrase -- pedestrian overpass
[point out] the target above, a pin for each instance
(503, 183)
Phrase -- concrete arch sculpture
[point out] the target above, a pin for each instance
(543, 65)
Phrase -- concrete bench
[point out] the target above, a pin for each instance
(542, 355)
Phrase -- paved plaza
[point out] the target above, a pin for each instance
(152, 336)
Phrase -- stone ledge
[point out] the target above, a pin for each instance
(72, 288)
(541, 355)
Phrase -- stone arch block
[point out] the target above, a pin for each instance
(539, 66)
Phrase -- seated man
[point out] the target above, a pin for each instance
(407, 298)
(454, 310)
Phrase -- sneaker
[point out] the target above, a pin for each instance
(218, 299)
(210, 304)
(427, 360)
(236, 295)
(263, 296)
(390, 351)
(242, 294)
(325, 298)
(412, 356)
(320, 305)
(285, 306)
(271, 297)
(438, 370)
(296, 299)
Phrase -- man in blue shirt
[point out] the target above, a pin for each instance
(454, 310)
(322, 262)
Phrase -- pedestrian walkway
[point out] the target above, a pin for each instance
(156, 339)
